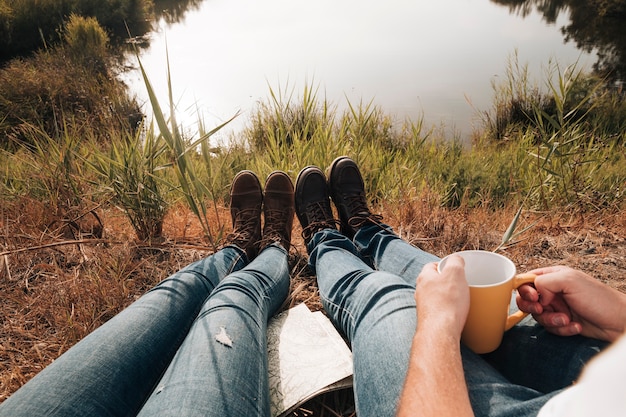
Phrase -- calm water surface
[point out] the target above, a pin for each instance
(412, 58)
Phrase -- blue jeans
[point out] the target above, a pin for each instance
(367, 285)
(161, 355)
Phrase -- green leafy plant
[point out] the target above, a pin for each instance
(132, 170)
(181, 157)
(567, 154)
(87, 41)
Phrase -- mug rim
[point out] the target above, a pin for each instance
(506, 259)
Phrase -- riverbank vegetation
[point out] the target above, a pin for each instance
(72, 86)
(26, 27)
(543, 145)
(562, 148)
(98, 205)
(559, 144)
(60, 64)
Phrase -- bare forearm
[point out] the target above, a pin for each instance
(435, 383)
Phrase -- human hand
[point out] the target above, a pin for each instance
(443, 298)
(569, 302)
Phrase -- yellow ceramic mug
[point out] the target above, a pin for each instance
(491, 278)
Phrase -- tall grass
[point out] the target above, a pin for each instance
(50, 170)
(568, 147)
(593, 101)
(513, 102)
(562, 155)
(182, 156)
(399, 159)
(563, 138)
(87, 42)
(290, 130)
(132, 170)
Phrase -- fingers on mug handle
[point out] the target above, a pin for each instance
(518, 281)
(521, 279)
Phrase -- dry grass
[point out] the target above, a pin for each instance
(55, 295)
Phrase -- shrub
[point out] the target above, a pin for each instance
(132, 170)
(26, 25)
(87, 42)
(61, 86)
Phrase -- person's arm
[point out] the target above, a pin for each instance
(435, 383)
(569, 302)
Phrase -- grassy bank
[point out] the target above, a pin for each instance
(560, 147)
(65, 116)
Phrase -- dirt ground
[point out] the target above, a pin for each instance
(59, 283)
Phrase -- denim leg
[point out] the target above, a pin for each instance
(375, 310)
(539, 369)
(492, 395)
(112, 371)
(210, 376)
(543, 361)
(383, 250)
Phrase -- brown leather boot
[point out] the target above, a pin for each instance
(278, 210)
(347, 191)
(246, 200)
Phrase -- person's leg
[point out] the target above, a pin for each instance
(377, 312)
(380, 247)
(113, 370)
(221, 367)
(374, 309)
(542, 361)
(379, 318)
(531, 356)
(492, 395)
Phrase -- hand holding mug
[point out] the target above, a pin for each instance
(491, 278)
(442, 299)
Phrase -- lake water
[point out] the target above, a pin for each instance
(411, 58)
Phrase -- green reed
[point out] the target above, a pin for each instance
(182, 156)
(568, 150)
(132, 170)
(564, 154)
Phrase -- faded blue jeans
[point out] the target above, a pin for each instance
(160, 356)
(367, 287)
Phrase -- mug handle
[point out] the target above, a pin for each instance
(518, 281)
